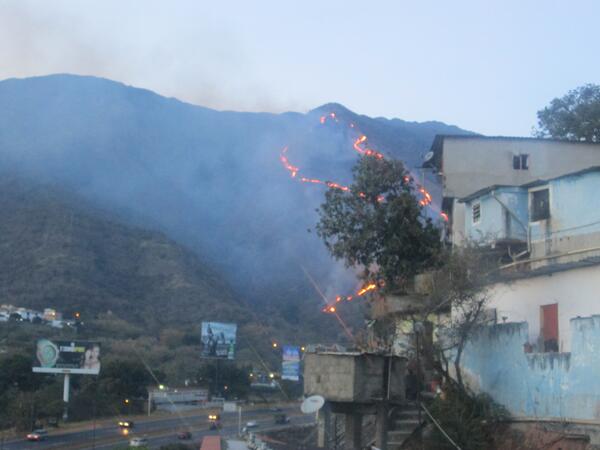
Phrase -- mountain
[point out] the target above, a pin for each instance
(58, 253)
(210, 180)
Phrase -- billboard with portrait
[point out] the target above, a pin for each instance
(218, 340)
(290, 369)
(78, 357)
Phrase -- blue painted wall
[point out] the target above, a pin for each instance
(537, 385)
(492, 225)
(574, 210)
(575, 204)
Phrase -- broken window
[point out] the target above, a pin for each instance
(521, 162)
(476, 212)
(540, 205)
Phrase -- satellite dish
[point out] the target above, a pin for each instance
(428, 156)
(312, 404)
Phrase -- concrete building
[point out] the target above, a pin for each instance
(466, 164)
(554, 225)
(534, 201)
(357, 386)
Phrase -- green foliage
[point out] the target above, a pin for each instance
(391, 236)
(575, 116)
(469, 420)
(227, 374)
(15, 371)
(125, 378)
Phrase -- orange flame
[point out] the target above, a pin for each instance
(365, 151)
(359, 146)
(286, 163)
(367, 288)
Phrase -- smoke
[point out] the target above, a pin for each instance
(150, 44)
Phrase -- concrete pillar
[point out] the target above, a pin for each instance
(381, 426)
(323, 426)
(353, 432)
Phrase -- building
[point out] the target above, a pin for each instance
(465, 164)
(534, 202)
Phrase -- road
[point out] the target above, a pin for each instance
(158, 431)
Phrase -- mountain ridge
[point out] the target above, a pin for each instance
(210, 180)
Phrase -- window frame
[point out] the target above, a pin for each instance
(520, 161)
(473, 221)
(532, 192)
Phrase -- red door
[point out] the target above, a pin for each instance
(549, 327)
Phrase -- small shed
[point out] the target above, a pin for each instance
(354, 377)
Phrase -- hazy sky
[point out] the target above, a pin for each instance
(487, 66)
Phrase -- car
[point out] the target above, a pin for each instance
(252, 424)
(126, 423)
(184, 435)
(37, 435)
(214, 421)
(281, 419)
(138, 442)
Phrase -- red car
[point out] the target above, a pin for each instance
(37, 435)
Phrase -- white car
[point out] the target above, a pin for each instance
(138, 442)
(252, 424)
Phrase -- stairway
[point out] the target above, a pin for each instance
(403, 422)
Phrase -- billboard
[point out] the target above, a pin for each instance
(218, 340)
(80, 357)
(291, 363)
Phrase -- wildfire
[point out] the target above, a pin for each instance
(359, 146)
(365, 151)
(330, 308)
(364, 290)
(331, 116)
(286, 163)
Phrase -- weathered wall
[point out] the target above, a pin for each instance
(331, 376)
(575, 291)
(537, 385)
(574, 222)
(492, 225)
(346, 377)
(471, 164)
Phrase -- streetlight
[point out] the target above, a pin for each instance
(275, 345)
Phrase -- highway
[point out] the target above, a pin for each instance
(158, 431)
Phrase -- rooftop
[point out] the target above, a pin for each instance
(438, 142)
(540, 182)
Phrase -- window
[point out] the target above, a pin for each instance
(521, 162)
(476, 212)
(540, 205)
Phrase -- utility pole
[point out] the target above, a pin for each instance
(94, 418)
(66, 387)
(239, 420)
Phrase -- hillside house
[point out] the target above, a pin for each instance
(534, 201)
(465, 164)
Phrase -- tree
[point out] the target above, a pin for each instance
(461, 285)
(377, 224)
(575, 116)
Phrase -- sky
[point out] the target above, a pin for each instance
(486, 66)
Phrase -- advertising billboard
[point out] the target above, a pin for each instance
(218, 340)
(290, 369)
(79, 357)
